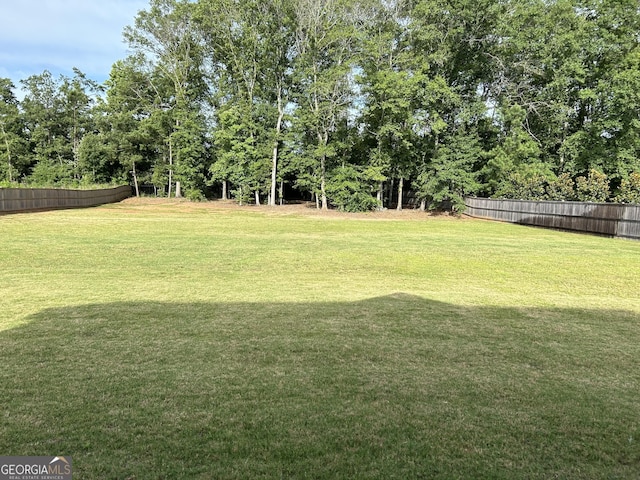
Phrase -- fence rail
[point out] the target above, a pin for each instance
(15, 200)
(615, 220)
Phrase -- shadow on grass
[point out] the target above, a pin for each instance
(391, 387)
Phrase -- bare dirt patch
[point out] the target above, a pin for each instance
(133, 205)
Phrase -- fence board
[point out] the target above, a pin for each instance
(611, 219)
(14, 200)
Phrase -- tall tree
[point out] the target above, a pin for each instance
(132, 127)
(391, 80)
(57, 113)
(539, 73)
(281, 30)
(78, 96)
(44, 119)
(166, 35)
(249, 44)
(326, 39)
(567, 67)
(611, 103)
(454, 41)
(13, 162)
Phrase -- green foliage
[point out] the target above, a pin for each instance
(189, 140)
(630, 190)
(561, 187)
(251, 42)
(14, 160)
(493, 97)
(97, 158)
(48, 173)
(8, 184)
(58, 113)
(450, 175)
(537, 184)
(522, 186)
(194, 195)
(516, 150)
(593, 188)
(350, 190)
(241, 157)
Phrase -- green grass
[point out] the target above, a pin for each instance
(171, 340)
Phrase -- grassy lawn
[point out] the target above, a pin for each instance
(170, 340)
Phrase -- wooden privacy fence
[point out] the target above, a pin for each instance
(13, 200)
(611, 219)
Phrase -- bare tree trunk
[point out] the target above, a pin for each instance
(274, 167)
(323, 185)
(323, 139)
(380, 195)
(6, 142)
(281, 192)
(170, 167)
(423, 205)
(257, 195)
(171, 156)
(400, 192)
(135, 180)
(224, 190)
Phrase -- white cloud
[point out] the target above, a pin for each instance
(61, 34)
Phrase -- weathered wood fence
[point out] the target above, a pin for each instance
(611, 219)
(14, 200)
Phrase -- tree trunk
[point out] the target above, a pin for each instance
(170, 166)
(323, 186)
(76, 142)
(135, 180)
(257, 195)
(400, 192)
(171, 155)
(325, 204)
(380, 195)
(423, 205)
(224, 190)
(6, 141)
(281, 192)
(323, 140)
(274, 167)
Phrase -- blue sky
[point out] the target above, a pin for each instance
(58, 35)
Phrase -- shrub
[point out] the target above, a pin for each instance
(194, 195)
(630, 189)
(349, 190)
(561, 188)
(522, 186)
(593, 188)
(50, 173)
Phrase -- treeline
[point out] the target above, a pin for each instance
(352, 103)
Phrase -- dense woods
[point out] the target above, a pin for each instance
(354, 104)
